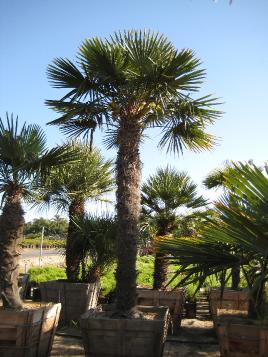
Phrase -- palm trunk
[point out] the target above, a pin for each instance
(160, 271)
(235, 277)
(128, 170)
(11, 235)
(94, 275)
(160, 265)
(73, 257)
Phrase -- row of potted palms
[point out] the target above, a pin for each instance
(127, 84)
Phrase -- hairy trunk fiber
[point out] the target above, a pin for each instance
(160, 271)
(235, 277)
(73, 255)
(11, 234)
(160, 264)
(94, 274)
(128, 172)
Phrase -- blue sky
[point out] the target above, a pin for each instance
(230, 40)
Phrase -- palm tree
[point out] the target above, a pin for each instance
(126, 84)
(167, 197)
(243, 224)
(218, 179)
(97, 243)
(70, 186)
(24, 162)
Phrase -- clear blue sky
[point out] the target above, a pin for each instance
(232, 42)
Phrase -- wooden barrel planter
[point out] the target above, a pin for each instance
(242, 337)
(28, 333)
(229, 300)
(111, 337)
(76, 298)
(174, 300)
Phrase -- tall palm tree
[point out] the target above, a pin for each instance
(126, 84)
(69, 187)
(24, 162)
(167, 197)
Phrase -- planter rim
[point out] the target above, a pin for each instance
(241, 321)
(63, 281)
(47, 306)
(163, 309)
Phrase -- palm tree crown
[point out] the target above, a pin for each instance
(137, 74)
(167, 198)
(89, 178)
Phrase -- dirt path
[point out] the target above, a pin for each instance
(196, 339)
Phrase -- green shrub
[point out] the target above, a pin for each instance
(39, 275)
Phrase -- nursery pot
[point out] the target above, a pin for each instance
(229, 299)
(174, 300)
(241, 337)
(112, 337)
(76, 298)
(28, 333)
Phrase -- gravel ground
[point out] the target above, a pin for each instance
(30, 258)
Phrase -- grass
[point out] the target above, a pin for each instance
(145, 266)
(39, 275)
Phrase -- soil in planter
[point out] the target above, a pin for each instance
(137, 314)
(28, 305)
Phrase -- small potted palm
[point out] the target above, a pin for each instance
(68, 188)
(167, 197)
(26, 329)
(239, 236)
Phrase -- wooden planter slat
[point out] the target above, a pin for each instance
(229, 300)
(105, 337)
(173, 299)
(28, 333)
(76, 298)
(242, 339)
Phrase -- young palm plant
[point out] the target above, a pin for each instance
(215, 180)
(70, 186)
(218, 179)
(167, 197)
(24, 162)
(97, 244)
(126, 84)
(243, 225)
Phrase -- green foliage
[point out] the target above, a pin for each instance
(24, 158)
(89, 178)
(96, 243)
(47, 243)
(237, 237)
(39, 275)
(145, 268)
(57, 226)
(139, 72)
(108, 281)
(170, 202)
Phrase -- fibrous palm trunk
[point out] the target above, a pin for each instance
(73, 256)
(128, 176)
(235, 277)
(11, 234)
(160, 265)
